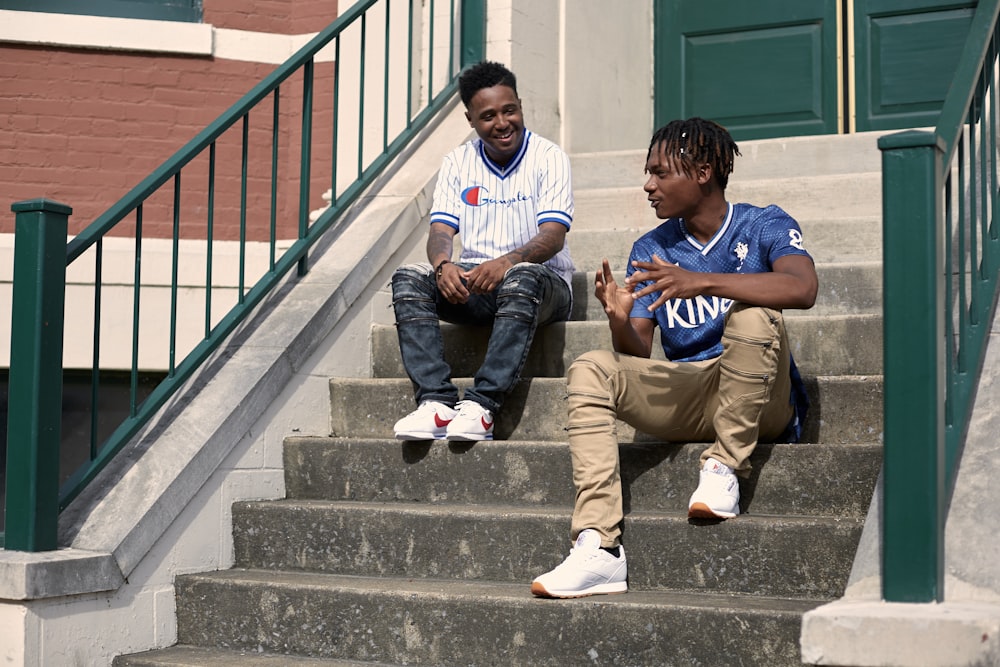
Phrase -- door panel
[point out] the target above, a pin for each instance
(906, 55)
(762, 69)
(772, 68)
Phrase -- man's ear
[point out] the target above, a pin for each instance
(704, 173)
(468, 118)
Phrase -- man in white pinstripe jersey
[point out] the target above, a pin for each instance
(508, 195)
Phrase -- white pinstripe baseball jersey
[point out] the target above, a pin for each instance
(498, 209)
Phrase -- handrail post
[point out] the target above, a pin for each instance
(35, 396)
(473, 39)
(914, 361)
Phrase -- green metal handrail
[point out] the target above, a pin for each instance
(941, 259)
(42, 256)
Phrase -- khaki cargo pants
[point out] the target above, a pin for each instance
(734, 399)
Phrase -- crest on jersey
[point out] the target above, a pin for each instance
(473, 195)
(741, 250)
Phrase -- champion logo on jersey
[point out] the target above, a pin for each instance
(473, 195)
(477, 195)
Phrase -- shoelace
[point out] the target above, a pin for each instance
(470, 409)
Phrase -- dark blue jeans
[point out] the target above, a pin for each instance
(529, 296)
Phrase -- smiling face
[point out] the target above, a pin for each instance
(495, 114)
(673, 192)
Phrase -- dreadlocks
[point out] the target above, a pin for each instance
(485, 74)
(696, 141)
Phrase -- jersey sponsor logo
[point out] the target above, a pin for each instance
(692, 313)
(477, 195)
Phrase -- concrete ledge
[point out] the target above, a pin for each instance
(873, 633)
(31, 576)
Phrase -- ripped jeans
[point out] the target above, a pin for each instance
(530, 295)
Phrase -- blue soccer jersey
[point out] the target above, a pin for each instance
(749, 241)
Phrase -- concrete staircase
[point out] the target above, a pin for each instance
(421, 553)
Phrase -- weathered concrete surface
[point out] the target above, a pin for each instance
(964, 629)
(844, 409)
(428, 621)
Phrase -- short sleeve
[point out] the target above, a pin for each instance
(447, 197)
(555, 188)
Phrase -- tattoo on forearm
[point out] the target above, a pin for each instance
(438, 243)
(541, 247)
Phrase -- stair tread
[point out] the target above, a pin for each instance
(462, 510)
(405, 587)
(200, 656)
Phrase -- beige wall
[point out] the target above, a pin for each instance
(584, 67)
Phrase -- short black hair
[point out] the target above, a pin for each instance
(485, 74)
(696, 141)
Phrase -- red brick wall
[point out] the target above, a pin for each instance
(289, 17)
(83, 127)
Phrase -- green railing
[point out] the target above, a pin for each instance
(415, 77)
(941, 257)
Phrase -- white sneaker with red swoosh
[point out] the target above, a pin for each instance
(428, 422)
(472, 423)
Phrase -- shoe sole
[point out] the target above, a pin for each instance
(419, 435)
(469, 437)
(703, 511)
(601, 589)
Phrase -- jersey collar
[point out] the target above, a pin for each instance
(503, 172)
(707, 248)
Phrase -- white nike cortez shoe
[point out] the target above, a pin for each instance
(472, 423)
(428, 422)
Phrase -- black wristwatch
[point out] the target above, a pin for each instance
(440, 267)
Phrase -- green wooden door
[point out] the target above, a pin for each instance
(766, 68)
(771, 68)
(906, 52)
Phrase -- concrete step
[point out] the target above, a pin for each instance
(805, 198)
(829, 240)
(759, 159)
(786, 556)
(447, 622)
(817, 346)
(844, 289)
(845, 409)
(799, 479)
(199, 656)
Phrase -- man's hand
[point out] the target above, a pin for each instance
(670, 280)
(449, 283)
(616, 300)
(484, 278)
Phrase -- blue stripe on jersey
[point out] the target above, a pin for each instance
(554, 216)
(501, 172)
(446, 218)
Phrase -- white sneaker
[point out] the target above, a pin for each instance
(428, 422)
(473, 422)
(588, 570)
(717, 495)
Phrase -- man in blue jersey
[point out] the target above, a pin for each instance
(714, 277)
(508, 195)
